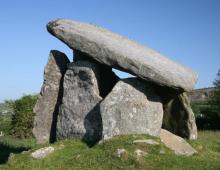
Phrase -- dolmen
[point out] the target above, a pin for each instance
(85, 99)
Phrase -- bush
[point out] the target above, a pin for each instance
(208, 113)
(5, 124)
(215, 101)
(206, 116)
(5, 118)
(22, 120)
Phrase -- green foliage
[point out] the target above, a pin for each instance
(215, 101)
(208, 113)
(5, 124)
(217, 80)
(74, 154)
(22, 120)
(4, 108)
(206, 116)
(5, 118)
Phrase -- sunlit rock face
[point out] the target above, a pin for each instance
(80, 96)
(132, 107)
(119, 52)
(85, 99)
(46, 108)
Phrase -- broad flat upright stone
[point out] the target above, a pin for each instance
(50, 96)
(78, 115)
(121, 53)
(131, 107)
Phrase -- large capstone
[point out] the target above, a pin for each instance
(46, 108)
(79, 116)
(121, 53)
(132, 107)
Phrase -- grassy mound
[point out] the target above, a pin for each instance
(74, 154)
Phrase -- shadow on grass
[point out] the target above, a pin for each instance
(6, 150)
(217, 147)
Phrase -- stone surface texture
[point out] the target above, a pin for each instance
(146, 141)
(179, 117)
(42, 153)
(131, 107)
(121, 152)
(139, 153)
(107, 76)
(121, 53)
(46, 107)
(78, 115)
(176, 143)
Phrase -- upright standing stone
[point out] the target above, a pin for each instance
(121, 53)
(78, 116)
(107, 76)
(50, 96)
(131, 107)
(178, 115)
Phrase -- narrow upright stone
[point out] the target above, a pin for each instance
(46, 107)
(178, 115)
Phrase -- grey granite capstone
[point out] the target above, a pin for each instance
(119, 52)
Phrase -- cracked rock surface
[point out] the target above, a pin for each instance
(78, 115)
(121, 53)
(131, 107)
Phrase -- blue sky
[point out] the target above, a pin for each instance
(186, 31)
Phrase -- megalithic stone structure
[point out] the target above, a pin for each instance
(121, 53)
(85, 99)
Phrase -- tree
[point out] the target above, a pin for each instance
(22, 120)
(208, 114)
(217, 80)
(215, 101)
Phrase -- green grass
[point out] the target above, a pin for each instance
(11, 145)
(77, 155)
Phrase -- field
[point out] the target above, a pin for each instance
(74, 154)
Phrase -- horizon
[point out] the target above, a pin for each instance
(186, 32)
